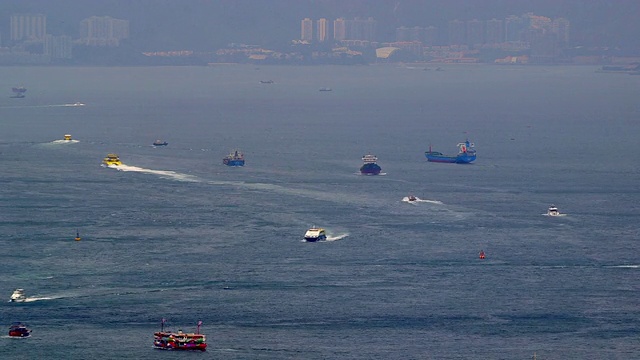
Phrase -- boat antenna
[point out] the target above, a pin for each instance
(162, 324)
(199, 324)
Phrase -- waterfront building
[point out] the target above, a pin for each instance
(28, 27)
(322, 30)
(103, 31)
(475, 32)
(456, 32)
(494, 32)
(306, 32)
(339, 29)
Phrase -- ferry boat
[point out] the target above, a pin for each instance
(553, 211)
(235, 158)
(67, 137)
(111, 159)
(160, 143)
(19, 329)
(466, 154)
(18, 296)
(370, 166)
(315, 234)
(168, 340)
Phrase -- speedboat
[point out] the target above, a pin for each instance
(553, 211)
(75, 104)
(315, 234)
(19, 329)
(412, 198)
(67, 137)
(111, 159)
(160, 143)
(18, 296)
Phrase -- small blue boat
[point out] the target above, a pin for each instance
(466, 154)
(235, 158)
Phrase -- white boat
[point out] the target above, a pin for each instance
(553, 211)
(315, 234)
(18, 296)
(75, 104)
(412, 198)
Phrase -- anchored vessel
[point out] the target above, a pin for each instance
(18, 296)
(370, 166)
(315, 234)
(111, 159)
(19, 329)
(168, 340)
(235, 158)
(466, 154)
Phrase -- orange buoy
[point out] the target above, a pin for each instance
(78, 238)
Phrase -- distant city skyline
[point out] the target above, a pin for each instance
(157, 25)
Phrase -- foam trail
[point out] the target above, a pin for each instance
(337, 237)
(418, 200)
(32, 299)
(162, 173)
(64, 142)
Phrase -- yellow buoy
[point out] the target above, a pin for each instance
(78, 236)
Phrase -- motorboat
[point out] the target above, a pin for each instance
(75, 104)
(315, 234)
(67, 137)
(19, 329)
(553, 211)
(160, 143)
(411, 198)
(111, 159)
(18, 296)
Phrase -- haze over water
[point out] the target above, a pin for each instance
(178, 235)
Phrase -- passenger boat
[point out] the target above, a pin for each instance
(315, 234)
(168, 340)
(19, 329)
(67, 137)
(111, 159)
(160, 143)
(466, 154)
(235, 158)
(370, 166)
(553, 211)
(18, 92)
(18, 296)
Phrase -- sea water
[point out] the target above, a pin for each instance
(175, 234)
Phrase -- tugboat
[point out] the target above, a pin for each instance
(168, 340)
(111, 159)
(160, 143)
(553, 211)
(370, 166)
(18, 296)
(466, 154)
(235, 158)
(19, 329)
(315, 234)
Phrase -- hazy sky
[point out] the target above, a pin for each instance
(210, 24)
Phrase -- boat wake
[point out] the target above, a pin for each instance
(167, 174)
(559, 215)
(32, 299)
(64, 142)
(626, 266)
(418, 200)
(380, 174)
(337, 237)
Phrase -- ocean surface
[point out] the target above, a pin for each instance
(175, 234)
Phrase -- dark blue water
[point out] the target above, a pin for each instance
(180, 236)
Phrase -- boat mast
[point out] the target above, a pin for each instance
(198, 329)
(162, 324)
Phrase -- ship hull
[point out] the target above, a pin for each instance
(440, 158)
(229, 162)
(314, 239)
(370, 169)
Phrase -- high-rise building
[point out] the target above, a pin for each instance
(103, 31)
(361, 29)
(28, 27)
(58, 47)
(494, 33)
(403, 33)
(306, 32)
(475, 32)
(339, 29)
(430, 36)
(322, 30)
(561, 27)
(456, 32)
(513, 28)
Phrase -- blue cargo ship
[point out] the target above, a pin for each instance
(235, 158)
(370, 166)
(466, 154)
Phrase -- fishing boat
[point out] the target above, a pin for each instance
(466, 154)
(553, 211)
(111, 159)
(18, 296)
(315, 234)
(169, 340)
(19, 329)
(370, 166)
(481, 255)
(160, 143)
(235, 158)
